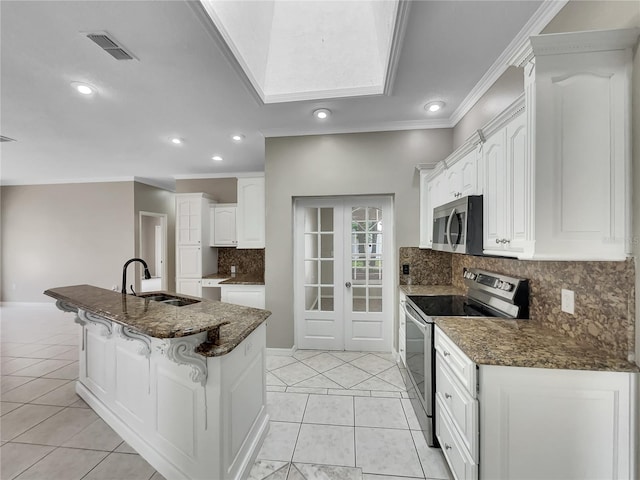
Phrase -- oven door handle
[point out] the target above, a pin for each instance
(448, 230)
(421, 325)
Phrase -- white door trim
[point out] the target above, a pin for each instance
(164, 277)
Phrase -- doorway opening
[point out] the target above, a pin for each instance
(153, 250)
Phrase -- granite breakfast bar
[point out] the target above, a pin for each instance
(183, 385)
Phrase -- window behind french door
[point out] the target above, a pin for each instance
(343, 271)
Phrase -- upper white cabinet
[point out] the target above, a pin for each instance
(250, 215)
(506, 211)
(454, 177)
(189, 220)
(577, 161)
(223, 225)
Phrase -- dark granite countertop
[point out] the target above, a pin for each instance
(518, 343)
(244, 279)
(217, 276)
(160, 320)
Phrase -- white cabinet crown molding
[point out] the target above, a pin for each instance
(505, 117)
(469, 145)
(574, 42)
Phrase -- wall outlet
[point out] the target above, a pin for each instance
(405, 269)
(568, 301)
(233, 269)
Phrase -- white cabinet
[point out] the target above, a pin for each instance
(578, 147)
(223, 225)
(506, 187)
(251, 213)
(247, 295)
(189, 286)
(193, 254)
(456, 408)
(544, 423)
(454, 177)
(524, 423)
(402, 327)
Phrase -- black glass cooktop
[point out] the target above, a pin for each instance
(450, 306)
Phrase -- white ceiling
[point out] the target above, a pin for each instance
(186, 84)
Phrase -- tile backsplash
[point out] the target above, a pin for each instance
(250, 260)
(604, 292)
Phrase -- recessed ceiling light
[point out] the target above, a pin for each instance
(322, 113)
(177, 141)
(238, 137)
(434, 106)
(83, 88)
(217, 158)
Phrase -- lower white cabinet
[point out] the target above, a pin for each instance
(247, 295)
(496, 422)
(189, 286)
(402, 328)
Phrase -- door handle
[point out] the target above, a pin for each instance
(348, 284)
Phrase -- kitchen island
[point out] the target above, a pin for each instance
(183, 385)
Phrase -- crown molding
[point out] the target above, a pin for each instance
(335, 94)
(534, 26)
(513, 110)
(373, 127)
(399, 29)
(425, 166)
(199, 176)
(62, 181)
(582, 42)
(168, 184)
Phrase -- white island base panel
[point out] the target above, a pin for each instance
(189, 416)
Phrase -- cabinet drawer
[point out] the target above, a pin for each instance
(459, 460)
(212, 282)
(461, 365)
(460, 406)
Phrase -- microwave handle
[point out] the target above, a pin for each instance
(448, 230)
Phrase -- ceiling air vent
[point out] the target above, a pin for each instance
(6, 139)
(110, 45)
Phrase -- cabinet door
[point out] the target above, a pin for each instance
(495, 194)
(402, 328)
(426, 210)
(251, 213)
(225, 226)
(246, 295)
(189, 263)
(518, 206)
(188, 220)
(548, 423)
(454, 182)
(189, 286)
(468, 174)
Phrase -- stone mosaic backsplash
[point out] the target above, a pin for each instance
(246, 261)
(604, 292)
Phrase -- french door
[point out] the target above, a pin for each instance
(343, 273)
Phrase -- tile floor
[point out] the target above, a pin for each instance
(334, 415)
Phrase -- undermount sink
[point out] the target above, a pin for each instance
(168, 299)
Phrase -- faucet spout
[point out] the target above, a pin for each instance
(147, 275)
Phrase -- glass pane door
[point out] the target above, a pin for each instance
(319, 259)
(366, 259)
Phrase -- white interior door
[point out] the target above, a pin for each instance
(343, 273)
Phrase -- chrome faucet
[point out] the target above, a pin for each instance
(147, 275)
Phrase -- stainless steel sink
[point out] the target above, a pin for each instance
(168, 299)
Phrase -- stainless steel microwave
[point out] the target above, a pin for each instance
(457, 226)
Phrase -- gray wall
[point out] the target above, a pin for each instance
(352, 164)
(56, 235)
(223, 190)
(155, 200)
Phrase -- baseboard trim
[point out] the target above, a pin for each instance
(281, 351)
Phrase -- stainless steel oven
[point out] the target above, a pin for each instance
(489, 295)
(457, 226)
